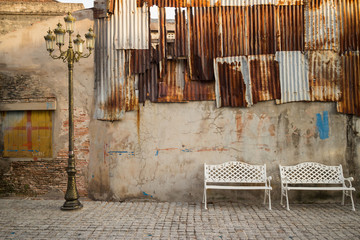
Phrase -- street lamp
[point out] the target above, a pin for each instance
(70, 56)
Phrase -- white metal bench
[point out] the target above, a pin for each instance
(236, 176)
(300, 176)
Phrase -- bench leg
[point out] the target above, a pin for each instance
(343, 198)
(204, 199)
(287, 200)
(352, 200)
(265, 196)
(269, 191)
(281, 198)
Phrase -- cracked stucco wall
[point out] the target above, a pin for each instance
(159, 151)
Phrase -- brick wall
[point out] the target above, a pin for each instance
(37, 176)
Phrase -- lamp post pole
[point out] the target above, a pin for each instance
(70, 56)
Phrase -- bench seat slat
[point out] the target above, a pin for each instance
(320, 188)
(238, 187)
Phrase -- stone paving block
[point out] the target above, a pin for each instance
(42, 219)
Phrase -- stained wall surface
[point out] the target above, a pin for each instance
(29, 78)
(158, 151)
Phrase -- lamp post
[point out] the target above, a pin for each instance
(70, 56)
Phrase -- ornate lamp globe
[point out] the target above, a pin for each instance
(69, 22)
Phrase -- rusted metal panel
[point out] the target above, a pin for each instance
(204, 3)
(177, 87)
(325, 74)
(350, 101)
(203, 42)
(130, 25)
(245, 80)
(247, 30)
(294, 76)
(232, 86)
(322, 25)
(290, 27)
(349, 12)
(181, 35)
(139, 61)
(148, 87)
(162, 42)
(264, 78)
(115, 90)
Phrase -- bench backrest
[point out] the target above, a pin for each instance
(235, 172)
(310, 172)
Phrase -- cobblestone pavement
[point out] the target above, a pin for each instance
(43, 219)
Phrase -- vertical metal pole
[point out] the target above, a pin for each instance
(71, 195)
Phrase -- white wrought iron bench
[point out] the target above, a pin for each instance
(300, 176)
(236, 176)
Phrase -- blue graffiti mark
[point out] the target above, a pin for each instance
(12, 150)
(157, 153)
(92, 176)
(322, 124)
(122, 152)
(145, 194)
(186, 150)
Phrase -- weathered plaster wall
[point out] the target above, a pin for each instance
(27, 74)
(158, 152)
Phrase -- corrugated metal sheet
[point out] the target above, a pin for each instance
(247, 30)
(232, 90)
(131, 25)
(245, 80)
(148, 86)
(177, 87)
(322, 25)
(181, 36)
(139, 61)
(162, 42)
(294, 76)
(264, 78)
(349, 12)
(203, 42)
(325, 74)
(110, 78)
(350, 102)
(205, 3)
(255, 50)
(290, 28)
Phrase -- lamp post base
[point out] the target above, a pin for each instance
(72, 205)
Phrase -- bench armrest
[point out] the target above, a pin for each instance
(349, 179)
